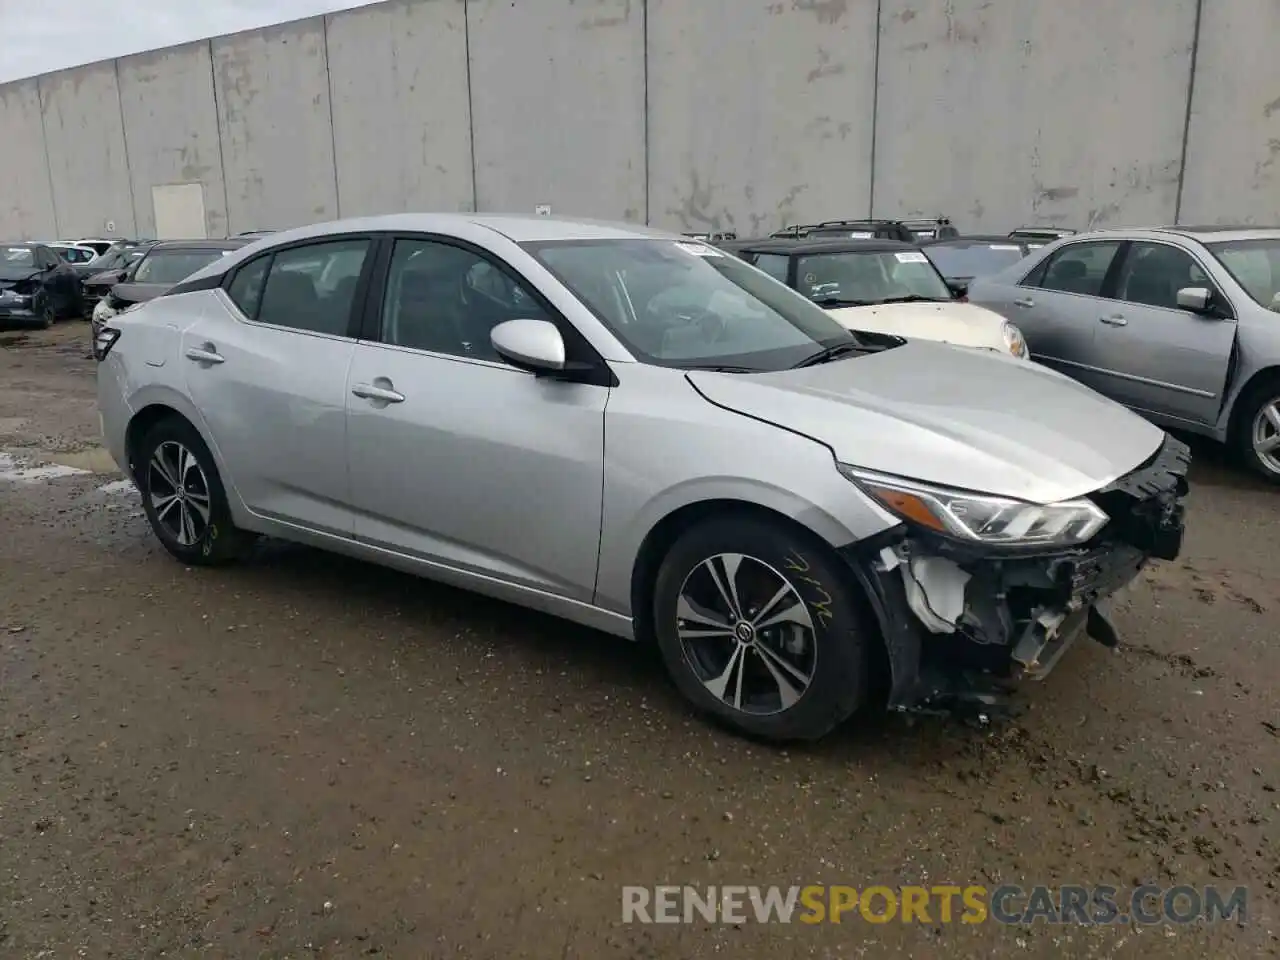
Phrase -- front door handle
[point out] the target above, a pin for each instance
(1115, 320)
(1024, 302)
(205, 354)
(368, 391)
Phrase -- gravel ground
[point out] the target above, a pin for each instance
(309, 756)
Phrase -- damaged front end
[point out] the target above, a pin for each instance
(964, 620)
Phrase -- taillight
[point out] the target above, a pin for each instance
(104, 341)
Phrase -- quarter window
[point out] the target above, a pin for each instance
(245, 289)
(1153, 273)
(312, 288)
(447, 299)
(1077, 268)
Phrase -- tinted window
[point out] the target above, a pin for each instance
(245, 289)
(17, 257)
(173, 266)
(1080, 267)
(312, 288)
(774, 264)
(685, 304)
(448, 299)
(1153, 273)
(870, 277)
(973, 259)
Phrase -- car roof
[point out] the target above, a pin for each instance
(516, 227)
(233, 243)
(973, 239)
(1221, 232)
(22, 243)
(805, 246)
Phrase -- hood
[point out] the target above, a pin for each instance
(139, 292)
(950, 321)
(103, 278)
(13, 275)
(968, 419)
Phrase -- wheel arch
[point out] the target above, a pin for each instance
(663, 535)
(153, 405)
(1238, 402)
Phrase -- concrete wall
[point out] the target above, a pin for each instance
(401, 115)
(85, 149)
(171, 127)
(557, 101)
(1233, 143)
(26, 190)
(1010, 111)
(759, 111)
(730, 114)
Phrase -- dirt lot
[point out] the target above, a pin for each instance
(310, 756)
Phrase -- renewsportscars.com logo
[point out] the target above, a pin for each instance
(1008, 904)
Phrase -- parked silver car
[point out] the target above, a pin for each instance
(643, 434)
(1178, 323)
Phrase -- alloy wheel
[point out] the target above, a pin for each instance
(746, 633)
(1266, 435)
(179, 492)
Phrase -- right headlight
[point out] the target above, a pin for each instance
(1014, 341)
(980, 517)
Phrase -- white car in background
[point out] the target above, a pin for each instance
(881, 286)
(73, 253)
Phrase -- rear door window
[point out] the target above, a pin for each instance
(1079, 268)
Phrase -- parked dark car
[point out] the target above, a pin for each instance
(108, 270)
(960, 259)
(37, 286)
(907, 231)
(1037, 237)
(165, 263)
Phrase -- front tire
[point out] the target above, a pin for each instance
(45, 314)
(1257, 434)
(759, 627)
(183, 496)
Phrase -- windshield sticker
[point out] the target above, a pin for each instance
(862, 235)
(1006, 246)
(911, 256)
(810, 278)
(699, 249)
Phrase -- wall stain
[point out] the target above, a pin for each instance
(1053, 194)
(827, 11)
(907, 15)
(1271, 107)
(825, 67)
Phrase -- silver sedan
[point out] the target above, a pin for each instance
(641, 433)
(1179, 324)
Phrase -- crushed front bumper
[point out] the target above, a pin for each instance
(965, 624)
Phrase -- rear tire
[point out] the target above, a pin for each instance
(183, 496)
(1257, 427)
(759, 627)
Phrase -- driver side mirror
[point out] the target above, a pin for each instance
(959, 288)
(1196, 299)
(533, 345)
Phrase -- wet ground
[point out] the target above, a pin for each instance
(308, 756)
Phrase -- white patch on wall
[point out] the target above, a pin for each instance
(179, 211)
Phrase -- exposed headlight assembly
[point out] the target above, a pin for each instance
(1014, 342)
(981, 518)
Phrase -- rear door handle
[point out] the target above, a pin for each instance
(1024, 302)
(1115, 320)
(367, 391)
(205, 354)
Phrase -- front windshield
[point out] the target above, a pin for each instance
(869, 277)
(17, 257)
(687, 304)
(1255, 265)
(973, 259)
(173, 266)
